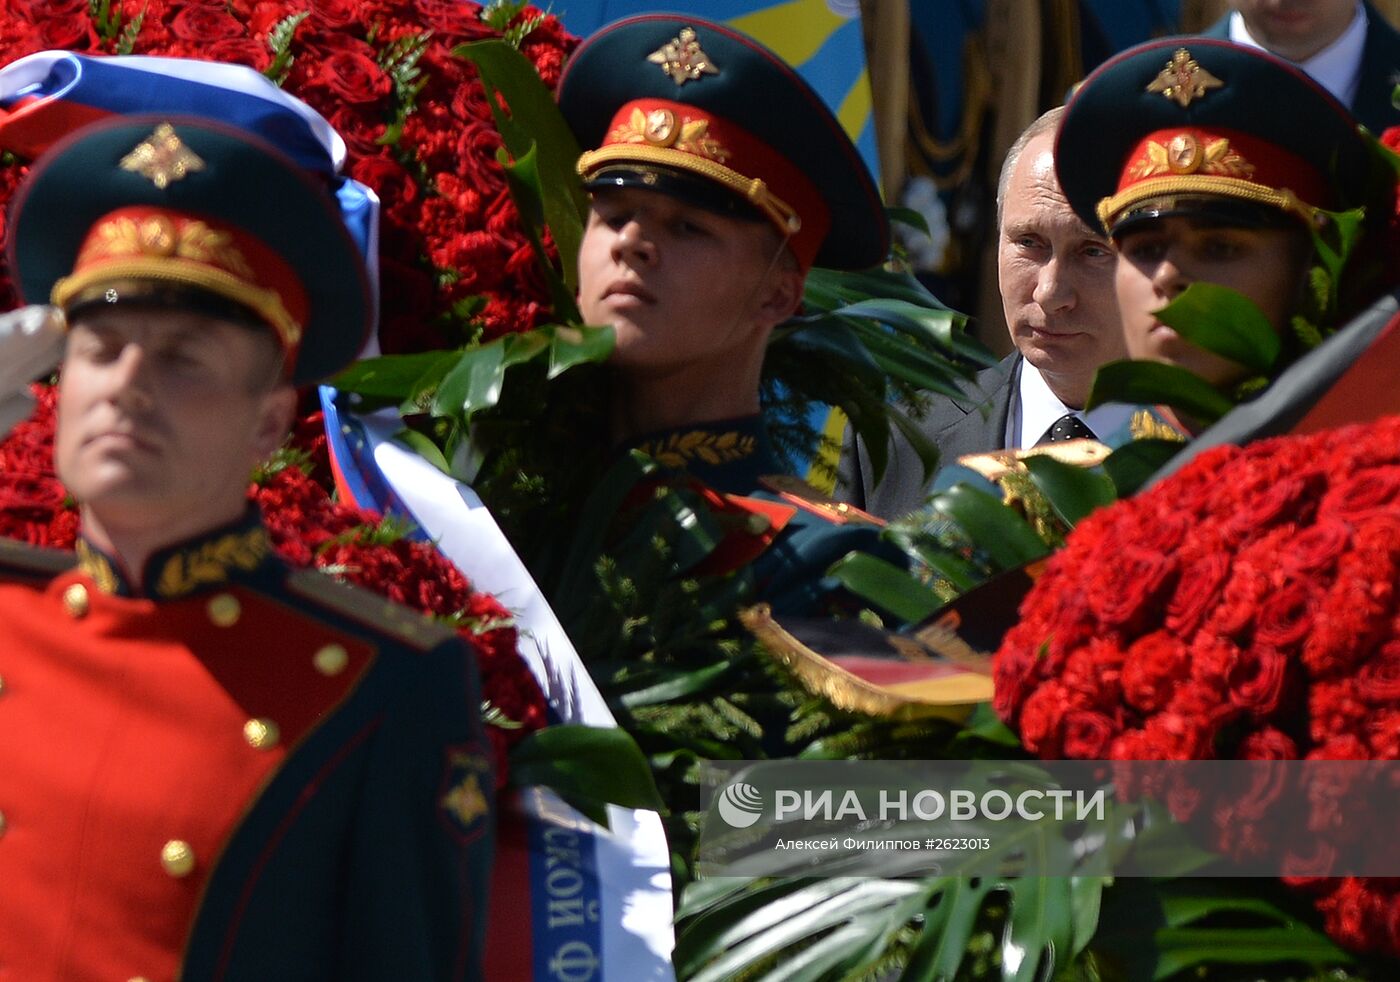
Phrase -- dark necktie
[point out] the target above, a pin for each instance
(1067, 427)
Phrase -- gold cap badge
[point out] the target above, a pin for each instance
(1183, 79)
(162, 158)
(683, 59)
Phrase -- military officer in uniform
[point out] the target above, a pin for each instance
(1208, 162)
(717, 178)
(215, 767)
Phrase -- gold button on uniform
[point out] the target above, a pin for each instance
(75, 600)
(261, 734)
(331, 660)
(178, 858)
(224, 610)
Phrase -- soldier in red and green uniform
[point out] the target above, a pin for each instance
(214, 767)
(717, 178)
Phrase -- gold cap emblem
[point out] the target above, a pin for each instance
(162, 158)
(683, 59)
(1183, 79)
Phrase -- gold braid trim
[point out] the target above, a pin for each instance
(168, 269)
(750, 188)
(1227, 187)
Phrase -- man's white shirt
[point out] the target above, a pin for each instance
(1035, 409)
(1337, 67)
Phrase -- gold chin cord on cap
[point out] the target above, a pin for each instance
(1110, 209)
(751, 189)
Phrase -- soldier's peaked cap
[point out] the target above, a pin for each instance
(141, 206)
(1190, 123)
(679, 104)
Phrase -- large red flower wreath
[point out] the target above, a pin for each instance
(1244, 608)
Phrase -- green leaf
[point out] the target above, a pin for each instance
(534, 119)
(1146, 383)
(809, 912)
(1334, 241)
(390, 376)
(279, 42)
(1225, 322)
(1182, 948)
(1005, 535)
(679, 686)
(1133, 464)
(474, 383)
(948, 926)
(587, 763)
(526, 190)
(1072, 491)
(910, 217)
(425, 448)
(574, 345)
(885, 585)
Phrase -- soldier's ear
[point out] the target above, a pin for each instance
(276, 409)
(781, 294)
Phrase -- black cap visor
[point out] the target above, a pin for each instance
(1204, 209)
(690, 188)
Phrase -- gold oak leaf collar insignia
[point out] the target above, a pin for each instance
(162, 158)
(683, 59)
(1183, 79)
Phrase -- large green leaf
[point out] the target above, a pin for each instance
(1148, 382)
(1226, 322)
(534, 119)
(1182, 948)
(1005, 535)
(391, 376)
(523, 179)
(1131, 465)
(885, 585)
(1072, 491)
(587, 764)
(573, 345)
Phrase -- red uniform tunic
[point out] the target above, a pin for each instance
(231, 776)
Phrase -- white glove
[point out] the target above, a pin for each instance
(31, 344)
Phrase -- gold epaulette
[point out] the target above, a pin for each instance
(366, 607)
(34, 562)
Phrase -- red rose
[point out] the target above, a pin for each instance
(1129, 585)
(1256, 681)
(1362, 493)
(1286, 614)
(1042, 720)
(1315, 549)
(1152, 668)
(1196, 590)
(353, 77)
(1378, 680)
(1087, 735)
(205, 24)
(240, 51)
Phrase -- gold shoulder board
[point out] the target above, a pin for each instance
(366, 607)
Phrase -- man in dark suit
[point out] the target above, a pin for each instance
(1056, 280)
(1347, 46)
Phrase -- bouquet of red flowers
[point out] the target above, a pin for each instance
(1244, 608)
